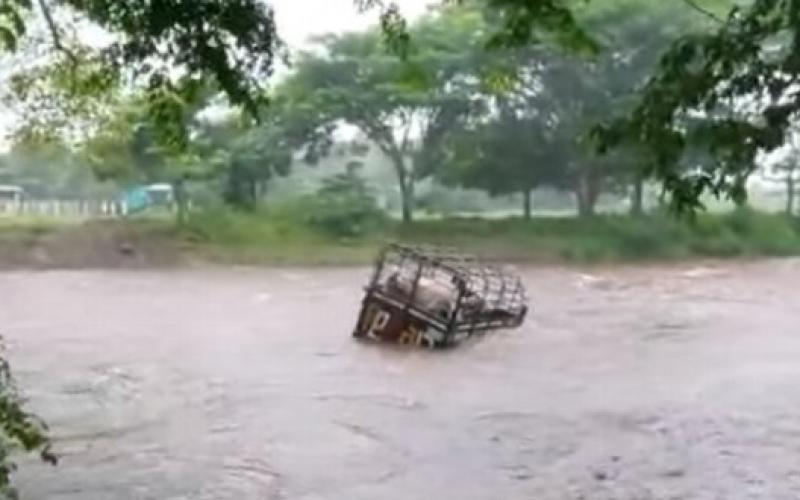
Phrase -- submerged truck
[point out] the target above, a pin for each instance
(436, 297)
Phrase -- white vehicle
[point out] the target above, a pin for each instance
(10, 198)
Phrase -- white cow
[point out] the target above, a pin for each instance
(432, 295)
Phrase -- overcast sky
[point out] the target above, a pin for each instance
(299, 19)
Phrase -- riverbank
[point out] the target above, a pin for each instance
(226, 238)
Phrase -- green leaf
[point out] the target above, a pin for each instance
(8, 39)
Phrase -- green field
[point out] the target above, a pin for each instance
(274, 238)
(261, 239)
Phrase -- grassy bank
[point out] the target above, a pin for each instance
(272, 239)
(258, 239)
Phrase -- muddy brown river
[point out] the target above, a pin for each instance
(637, 383)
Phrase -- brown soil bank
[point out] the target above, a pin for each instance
(103, 244)
(143, 244)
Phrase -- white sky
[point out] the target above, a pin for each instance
(299, 19)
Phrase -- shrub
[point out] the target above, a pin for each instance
(344, 206)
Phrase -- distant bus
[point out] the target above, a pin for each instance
(145, 197)
(11, 194)
(160, 194)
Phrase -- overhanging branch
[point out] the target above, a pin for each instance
(706, 12)
(55, 33)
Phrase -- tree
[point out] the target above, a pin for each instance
(738, 82)
(248, 163)
(248, 157)
(19, 429)
(167, 47)
(787, 169)
(509, 154)
(114, 152)
(521, 22)
(46, 167)
(405, 107)
(125, 148)
(584, 90)
(344, 205)
(783, 168)
(537, 126)
(749, 56)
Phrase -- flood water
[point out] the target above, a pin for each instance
(670, 382)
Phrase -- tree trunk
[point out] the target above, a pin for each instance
(241, 191)
(662, 198)
(586, 193)
(527, 198)
(179, 193)
(790, 194)
(405, 181)
(585, 208)
(263, 186)
(637, 197)
(253, 187)
(407, 201)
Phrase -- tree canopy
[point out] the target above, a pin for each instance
(170, 48)
(536, 130)
(405, 107)
(719, 96)
(729, 92)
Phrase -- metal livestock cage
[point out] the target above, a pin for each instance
(435, 297)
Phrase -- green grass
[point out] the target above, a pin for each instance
(284, 236)
(280, 238)
(229, 237)
(27, 229)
